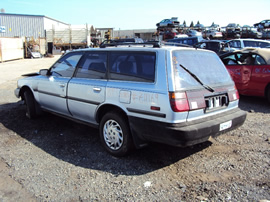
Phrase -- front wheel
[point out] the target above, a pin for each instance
(115, 134)
(29, 100)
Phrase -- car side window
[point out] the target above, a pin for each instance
(93, 66)
(259, 60)
(230, 60)
(235, 44)
(132, 66)
(66, 65)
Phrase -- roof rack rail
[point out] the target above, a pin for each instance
(155, 44)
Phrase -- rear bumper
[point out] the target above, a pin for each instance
(188, 133)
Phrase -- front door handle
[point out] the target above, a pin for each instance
(62, 85)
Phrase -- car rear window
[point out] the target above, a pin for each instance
(205, 65)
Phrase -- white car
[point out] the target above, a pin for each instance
(238, 44)
(173, 22)
(211, 34)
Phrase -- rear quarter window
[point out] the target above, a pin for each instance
(132, 66)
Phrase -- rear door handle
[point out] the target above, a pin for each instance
(97, 89)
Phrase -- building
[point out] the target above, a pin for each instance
(30, 28)
(20, 25)
(40, 33)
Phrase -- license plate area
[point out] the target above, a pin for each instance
(216, 102)
(225, 125)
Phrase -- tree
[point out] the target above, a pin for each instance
(191, 24)
(184, 23)
(198, 22)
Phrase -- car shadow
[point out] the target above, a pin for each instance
(254, 104)
(79, 144)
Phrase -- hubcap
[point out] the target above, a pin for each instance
(113, 134)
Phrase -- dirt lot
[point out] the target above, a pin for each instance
(53, 159)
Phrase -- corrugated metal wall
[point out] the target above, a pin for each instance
(22, 25)
(66, 36)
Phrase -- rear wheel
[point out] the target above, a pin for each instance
(115, 134)
(30, 104)
(268, 93)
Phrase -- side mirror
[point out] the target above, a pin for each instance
(43, 72)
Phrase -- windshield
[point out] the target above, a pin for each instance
(205, 65)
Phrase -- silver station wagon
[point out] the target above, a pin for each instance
(138, 94)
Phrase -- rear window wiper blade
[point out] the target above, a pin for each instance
(198, 80)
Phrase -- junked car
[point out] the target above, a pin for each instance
(233, 30)
(173, 22)
(263, 24)
(250, 70)
(212, 34)
(250, 32)
(138, 93)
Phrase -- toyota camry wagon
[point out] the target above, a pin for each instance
(137, 94)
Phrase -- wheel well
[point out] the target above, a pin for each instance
(23, 89)
(267, 90)
(108, 108)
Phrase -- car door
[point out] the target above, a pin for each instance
(52, 89)
(86, 90)
(260, 76)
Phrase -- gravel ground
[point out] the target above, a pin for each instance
(54, 159)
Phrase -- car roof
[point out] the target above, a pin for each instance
(251, 39)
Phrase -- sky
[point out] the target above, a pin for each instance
(142, 14)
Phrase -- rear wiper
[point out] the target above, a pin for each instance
(198, 80)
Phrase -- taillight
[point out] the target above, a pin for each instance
(179, 102)
(233, 94)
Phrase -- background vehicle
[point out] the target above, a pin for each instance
(135, 95)
(211, 34)
(213, 45)
(173, 22)
(169, 34)
(124, 40)
(250, 32)
(238, 44)
(199, 27)
(263, 24)
(193, 33)
(266, 35)
(233, 30)
(185, 40)
(250, 70)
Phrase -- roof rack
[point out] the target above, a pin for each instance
(154, 44)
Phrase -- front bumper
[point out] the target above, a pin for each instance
(17, 92)
(188, 133)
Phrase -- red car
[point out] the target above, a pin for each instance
(250, 70)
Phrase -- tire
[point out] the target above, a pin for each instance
(268, 94)
(30, 104)
(115, 134)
